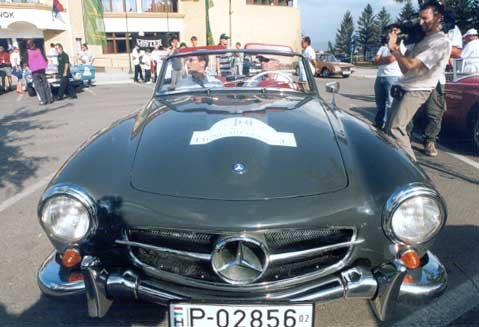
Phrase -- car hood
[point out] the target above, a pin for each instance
(272, 153)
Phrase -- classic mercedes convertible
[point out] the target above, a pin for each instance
(241, 198)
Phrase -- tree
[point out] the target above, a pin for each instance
(331, 48)
(475, 14)
(344, 35)
(463, 10)
(408, 12)
(383, 21)
(367, 35)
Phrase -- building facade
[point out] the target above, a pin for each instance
(150, 22)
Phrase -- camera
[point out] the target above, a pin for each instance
(411, 31)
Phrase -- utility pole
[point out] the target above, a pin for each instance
(130, 71)
(230, 14)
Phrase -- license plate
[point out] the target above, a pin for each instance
(206, 315)
(346, 72)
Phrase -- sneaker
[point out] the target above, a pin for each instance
(430, 149)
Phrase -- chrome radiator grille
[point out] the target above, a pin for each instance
(292, 253)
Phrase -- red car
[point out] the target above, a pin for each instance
(462, 97)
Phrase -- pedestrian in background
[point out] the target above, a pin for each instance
(310, 55)
(6, 68)
(52, 55)
(64, 72)
(238, 60)
(85, 56)
(37, 64)
(135, 53)
(146, 63)
(422, 68)
(388, 75)
(224, 61)
(156, 61)
(435, 106)
(176, 63)
(16, 60)
(194, 41)
(471, 52)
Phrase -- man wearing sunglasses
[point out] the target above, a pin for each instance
(197, 76)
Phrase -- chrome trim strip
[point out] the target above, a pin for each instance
(311, 252)
(263, 286)
(193, 255)
(405, 193)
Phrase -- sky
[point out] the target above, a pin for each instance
(321, 18)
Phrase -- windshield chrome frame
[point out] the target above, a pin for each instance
(309, 75)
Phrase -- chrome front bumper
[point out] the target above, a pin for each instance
(379, 286)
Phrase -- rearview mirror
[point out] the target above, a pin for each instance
(332, 87)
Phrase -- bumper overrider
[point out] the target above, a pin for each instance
(380, 286)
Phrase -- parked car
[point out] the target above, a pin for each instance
(80, 75)
(462, 115)
(329, 65)
(245, 204)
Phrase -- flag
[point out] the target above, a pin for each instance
(56, 8)
(209, 35)
(94, 25)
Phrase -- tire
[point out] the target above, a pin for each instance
(346, 76)
(325, 73)
(31, 91)
(475, 132)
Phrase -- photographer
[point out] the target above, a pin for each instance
(422, 68)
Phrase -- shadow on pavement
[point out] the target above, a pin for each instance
(366, 98)
(15, 165)
(72, 311)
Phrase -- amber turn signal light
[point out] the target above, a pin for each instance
(75, 277)
(411, 259)
(71, 258)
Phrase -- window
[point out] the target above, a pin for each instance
(283, 3)
(116, 43)
(119, 5)
(159, 5)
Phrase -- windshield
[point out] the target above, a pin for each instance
(244, 70)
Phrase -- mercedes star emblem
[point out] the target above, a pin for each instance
(239, 260)
(239, 168)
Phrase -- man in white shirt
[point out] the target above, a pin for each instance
(388, 75)
(85, 56)
(422, 68)
(310, 55)
(135, 54)
(471, 52)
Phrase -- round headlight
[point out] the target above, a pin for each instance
(65, 217)
(415, 215)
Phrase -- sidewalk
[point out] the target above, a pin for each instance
(105, 78)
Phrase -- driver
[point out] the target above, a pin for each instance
(197, 77)
(269, 77)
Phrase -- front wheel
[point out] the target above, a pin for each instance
(475, 132)
(325, 73)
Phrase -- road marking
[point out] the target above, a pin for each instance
(27, 192)
(461, 158)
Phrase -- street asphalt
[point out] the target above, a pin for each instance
(35, 140)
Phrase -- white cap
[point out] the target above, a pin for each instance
(472, 31)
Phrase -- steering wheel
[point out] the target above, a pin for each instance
(253, 81)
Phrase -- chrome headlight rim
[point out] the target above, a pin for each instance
(403, 194)
(78, 193)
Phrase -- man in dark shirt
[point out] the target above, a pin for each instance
(64, 72)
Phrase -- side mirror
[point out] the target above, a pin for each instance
(332, 87)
